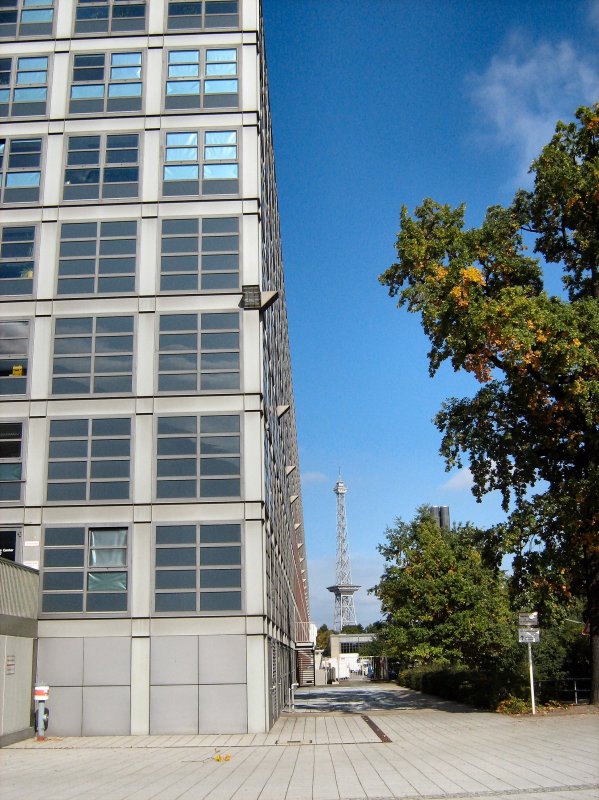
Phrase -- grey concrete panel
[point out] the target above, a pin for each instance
(173, 709)
(107, 661)
(174, 660)
(222, 709)
(65, 704)
(106, 711)
(222, 659)
(60, 661)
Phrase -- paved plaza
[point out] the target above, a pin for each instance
(343, 743)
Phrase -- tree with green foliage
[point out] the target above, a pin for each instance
(323, 639)
(443, 603)
(532, 429)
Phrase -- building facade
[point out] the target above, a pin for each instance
(148, 453)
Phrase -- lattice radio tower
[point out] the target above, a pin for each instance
(345, 612)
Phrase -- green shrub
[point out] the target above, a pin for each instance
(475, 688)
(514, 705)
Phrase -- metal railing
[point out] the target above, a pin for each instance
(567, 690)
(18, 590)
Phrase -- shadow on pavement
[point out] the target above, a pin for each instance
(357, 699)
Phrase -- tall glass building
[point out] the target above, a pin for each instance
(148, 453)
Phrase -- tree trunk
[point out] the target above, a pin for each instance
(592, 564)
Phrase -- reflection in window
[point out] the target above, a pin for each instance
(14, 360)
(26, 18)
(106, 82)
(17, 245)
(102, 167)
(197, 14)
(198, 568)
(184, 79)
(97, 258)
(23, 86)
(89, 460)
(213, 262)
(220, 171)
(110, 16)
(11, 460)
(198, 457)
(84, 569)
(20, 170)
(198, 352)
(92, 355)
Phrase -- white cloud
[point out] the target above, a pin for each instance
(459, 482)
(313, 477)
(526, 88)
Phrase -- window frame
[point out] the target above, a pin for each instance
(13, 86)
(19, 8)
(21, 459)
(197, 456)
(34, 260)
(102, 166)
(89, 458)
(26, 357)
(103, 104)
(94, 353)
(198, 568)
(111, 29)
(97, 258)
(206, 187)
(200, 352)
(84, 569)
(201, 78)
(199, 253)
(201, 26)
(29, 198)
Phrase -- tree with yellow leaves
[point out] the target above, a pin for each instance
(532, 429)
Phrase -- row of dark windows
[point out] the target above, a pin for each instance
(196, 352)
(101, 258)
(89, 460)
(113, 82)
(197, 569)
(107, 166)
(35, 18)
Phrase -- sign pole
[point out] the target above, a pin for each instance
(532, 679)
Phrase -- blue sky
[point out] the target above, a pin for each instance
(376, 104)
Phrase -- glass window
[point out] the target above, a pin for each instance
(11, 461)
(97, 258)
(20, 170)
(209, 264)
(84, 570)
(198, 14)
(17, 252)
(198, 457)
(199, 352)
(14, 357)
(181, 170)
(198, 568)
(93, 355)
(89, 460)
(23, 86)
(102, 167)
(26, 18)
(109, 16)
(106, 82)
(220, 169)
(185, 77)
(220, 166)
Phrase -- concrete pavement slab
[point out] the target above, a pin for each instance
(435, 751)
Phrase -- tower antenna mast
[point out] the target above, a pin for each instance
(344, 589)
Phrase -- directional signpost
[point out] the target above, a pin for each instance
(529, 633)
